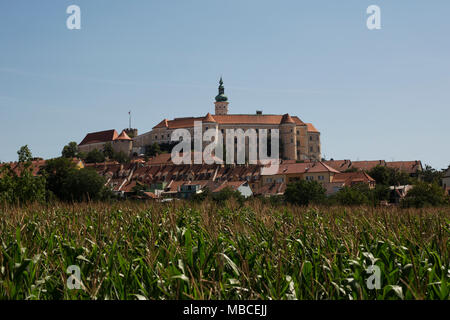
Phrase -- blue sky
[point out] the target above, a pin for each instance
(380, 94)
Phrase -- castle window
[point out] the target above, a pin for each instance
(310, 138)
(311, 149)
(298, 131)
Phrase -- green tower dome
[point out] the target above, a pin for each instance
(221, 97)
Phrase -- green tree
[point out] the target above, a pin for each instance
(20, 185)
(224, 195)
(425, 194)
(152, 150)
(68, 183)
(70, 150)
(381, 174)
(24, 154)
(304, 192)
(56, 172)
(84, 184)
(349, 196)
(108, 150)
(431, 175)
(121, 157)
(389, 176)
(95, 156)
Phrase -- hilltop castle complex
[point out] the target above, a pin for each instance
(299, 140)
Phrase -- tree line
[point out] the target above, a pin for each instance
(58, 179)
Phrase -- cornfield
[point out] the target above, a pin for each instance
(182, 250)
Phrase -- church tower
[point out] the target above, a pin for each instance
(221, 100)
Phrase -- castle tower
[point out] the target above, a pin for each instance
(221, 100)
(123, 143)
(288, 137)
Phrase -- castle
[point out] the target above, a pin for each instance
(299, 140)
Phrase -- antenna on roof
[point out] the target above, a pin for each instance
(129, 120)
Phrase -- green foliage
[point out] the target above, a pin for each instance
(121, 157)
(152, 150)
(19, 185)
(425, 194)
(360, 194)
(68, 183)
(108, 150)
(210, 251)
(82, 155)
(21, 188)
(304, 192)
(431, 175)
(24, 154)
(389, 176)
(226, 194)
(95, 156)
(56, 171)
(70, 150)
(82, 185)
(349, 196)
(222, 196)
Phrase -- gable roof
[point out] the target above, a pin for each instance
(304, 167)
(99, 137)
(349, 178)
(234, 185)
(208, 118)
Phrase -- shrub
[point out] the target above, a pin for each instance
(95, 156)
(304, 192)
(425, 195)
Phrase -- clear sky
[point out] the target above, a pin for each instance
(380, 94)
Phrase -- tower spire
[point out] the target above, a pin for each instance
(221, 100)
(221, 97)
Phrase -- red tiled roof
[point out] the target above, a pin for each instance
(209, 118)
(271, 189)
(123, 136)
(349, 178)
(286, 119)
(150, 195)
(162, 124)
(230, 119)
(98, 137)
(229, 184)
(406, 166)
(311, 128)
(305, 167)
(368, 165)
